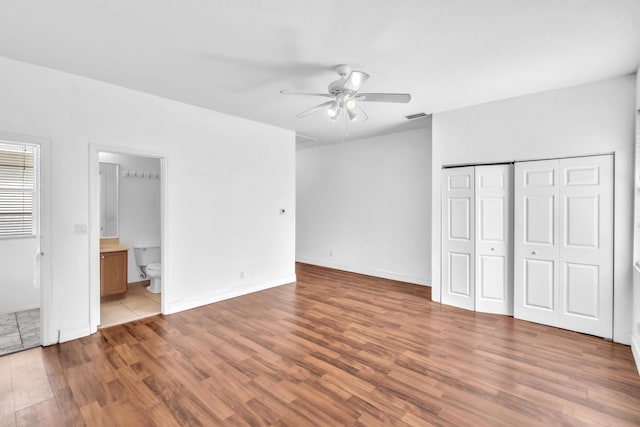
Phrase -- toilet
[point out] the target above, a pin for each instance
(148, 259)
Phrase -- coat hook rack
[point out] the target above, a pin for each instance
(140, 174)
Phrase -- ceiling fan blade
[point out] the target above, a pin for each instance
(357, 114)
(362, 115)
(292, 92)
(384, 97)
(355, 81)
(314, 109)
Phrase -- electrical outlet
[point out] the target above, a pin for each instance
(638, 328)
(242, 274)
(331, 253)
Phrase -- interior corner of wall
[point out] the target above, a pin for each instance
(635, 349)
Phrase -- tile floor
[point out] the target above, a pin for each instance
(19, 331)
(136, 304)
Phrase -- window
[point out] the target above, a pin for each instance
(17, 190)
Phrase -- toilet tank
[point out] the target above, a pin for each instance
(146, 254)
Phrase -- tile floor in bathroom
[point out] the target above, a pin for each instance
(137, 303)
(19, 331)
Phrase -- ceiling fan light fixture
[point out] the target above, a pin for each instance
(334, 110)
(352, 113)
(337, 116)
(347, 97)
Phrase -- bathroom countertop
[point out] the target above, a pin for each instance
(111, 245)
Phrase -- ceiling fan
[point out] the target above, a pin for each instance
(347, 96)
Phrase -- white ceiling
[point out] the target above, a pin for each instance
(235, 56)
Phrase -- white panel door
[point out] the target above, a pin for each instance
(586, 245)
(493, 239)
(536, 248)
(458, 237)
(564, 243)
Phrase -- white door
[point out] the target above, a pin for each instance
(536, 288)
(564, 243)
(458, 237)
(493, 239)
(586, 245)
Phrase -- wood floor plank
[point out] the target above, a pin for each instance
(335, 348)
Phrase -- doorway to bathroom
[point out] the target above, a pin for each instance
(129, 221)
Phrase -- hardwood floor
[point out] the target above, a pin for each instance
(334, 349)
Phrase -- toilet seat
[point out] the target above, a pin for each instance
(155, 266)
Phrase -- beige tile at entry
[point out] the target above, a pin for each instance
(29, 379)
(136, 304)
(115, 313)
(142, 306)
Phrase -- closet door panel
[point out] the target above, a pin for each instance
(491, 280)
(539, 219)
(493, 243)
(586, 245)
(582, 284)
(564, 243)
(460, 274)
(539, 284)
(458, 257)
(536, 234)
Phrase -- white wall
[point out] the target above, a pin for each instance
(589, 119)
(18, 290)
(138, 206)
(226, 179)
(365, 206)
(635, 324)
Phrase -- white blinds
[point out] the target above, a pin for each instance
(17, 190)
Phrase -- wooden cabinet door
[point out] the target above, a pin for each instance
(113, 273)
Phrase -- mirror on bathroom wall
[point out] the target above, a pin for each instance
(108, 200)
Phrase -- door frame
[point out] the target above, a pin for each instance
(94, 224)
(43, 226)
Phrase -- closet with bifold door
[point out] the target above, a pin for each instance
(477, 230)
(533, 239)
(564, 243)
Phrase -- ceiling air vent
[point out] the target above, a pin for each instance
(304, 138)
(416, 116)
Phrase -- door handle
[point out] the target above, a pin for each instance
(493, 249)
(534, 252)
(101, 256)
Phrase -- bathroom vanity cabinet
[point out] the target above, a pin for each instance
(113, 267)
(113, 273)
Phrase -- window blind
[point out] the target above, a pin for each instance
(17, 190)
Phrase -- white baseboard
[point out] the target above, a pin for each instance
(72, 334)
(16, 309)
(187, 304)
(368, 271)
(635, 349)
